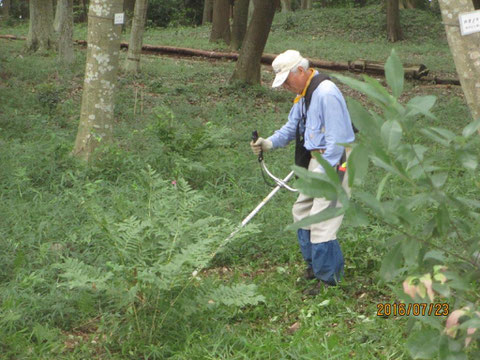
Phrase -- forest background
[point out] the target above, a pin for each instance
(97, 257)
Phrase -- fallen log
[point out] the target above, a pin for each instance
(412, 71)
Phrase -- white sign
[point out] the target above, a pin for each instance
(469, 22)
(119, 19)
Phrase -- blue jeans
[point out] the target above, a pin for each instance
(326, 258)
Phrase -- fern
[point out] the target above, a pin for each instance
(236, 295)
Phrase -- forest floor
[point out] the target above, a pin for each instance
(185, 120)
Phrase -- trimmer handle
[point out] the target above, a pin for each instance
(254, 139)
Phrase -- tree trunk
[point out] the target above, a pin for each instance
(221, 21)
(394, 31)
(65, 31)
(96, 117)
(207, 12)
(240, 20)
(85, 10)
(129, 9)
(286, 5)
(6, 8)
(306, 4)
(465, 51)
(248, 65)
(476, 4)
(251, 7)
(132, 64)
(40, 33)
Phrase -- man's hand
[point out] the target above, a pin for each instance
(261, 145)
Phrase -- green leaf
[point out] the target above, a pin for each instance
(329, 169)
(381, 186)
(410, 250)
(324, 215)
(394, 74)
(391, 134)
(423, 344)
(471, 128)
(442, 219)
(435, 137)
(357, 165)
(362, 119)
(371, 202)
(469, 160)
(356, 216)
(439, 179)
(391, 263)
(421, 105)
(370, 90)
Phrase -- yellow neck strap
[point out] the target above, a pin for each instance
(297, 99)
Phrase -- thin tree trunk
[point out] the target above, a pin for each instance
(65, 30)
(465, 51)
(6, 9)
(129, 9)
(132, 64)
(96, 117)
(476, 4)
(58, 13)
(251, 7)
(286, 6)
(394, 31)
(221, 21)
(240, 20)
(306, 4)
(207, 12)
(40, 33)
(85, 10)
(248, 65)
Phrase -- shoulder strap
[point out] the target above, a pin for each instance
(317, 80)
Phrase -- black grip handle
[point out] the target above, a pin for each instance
(254, 139)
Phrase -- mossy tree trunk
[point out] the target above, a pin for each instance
(286, 5)
(132, 64)
(394, 30)
(65, 31)
(96, 117)
(6, 8)
(40, 32)
(306, 4)
(221, 21)
(240, 20)
(465, 51)
(207, 12)
(248, 65)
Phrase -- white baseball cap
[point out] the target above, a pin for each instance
(283, 64)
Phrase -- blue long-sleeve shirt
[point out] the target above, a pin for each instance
(328, 123)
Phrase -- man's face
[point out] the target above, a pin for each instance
(295, 82)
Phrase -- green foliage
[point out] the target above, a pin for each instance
(433, 225)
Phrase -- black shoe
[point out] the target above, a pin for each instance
(316, 289)
(308, 274)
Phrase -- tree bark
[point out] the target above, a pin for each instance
(221, 21)
(465, 51)
(251, 7)
(6, 8)
(96, 117)
(247, 69)
(240, 20)
(129, 9)
(286, 6)
(306, 4)
(476, 4)
(65, 31)
(40, 33)
(207, 12)
(394, 31)
(132, 64)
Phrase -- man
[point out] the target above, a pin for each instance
(318, 126)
